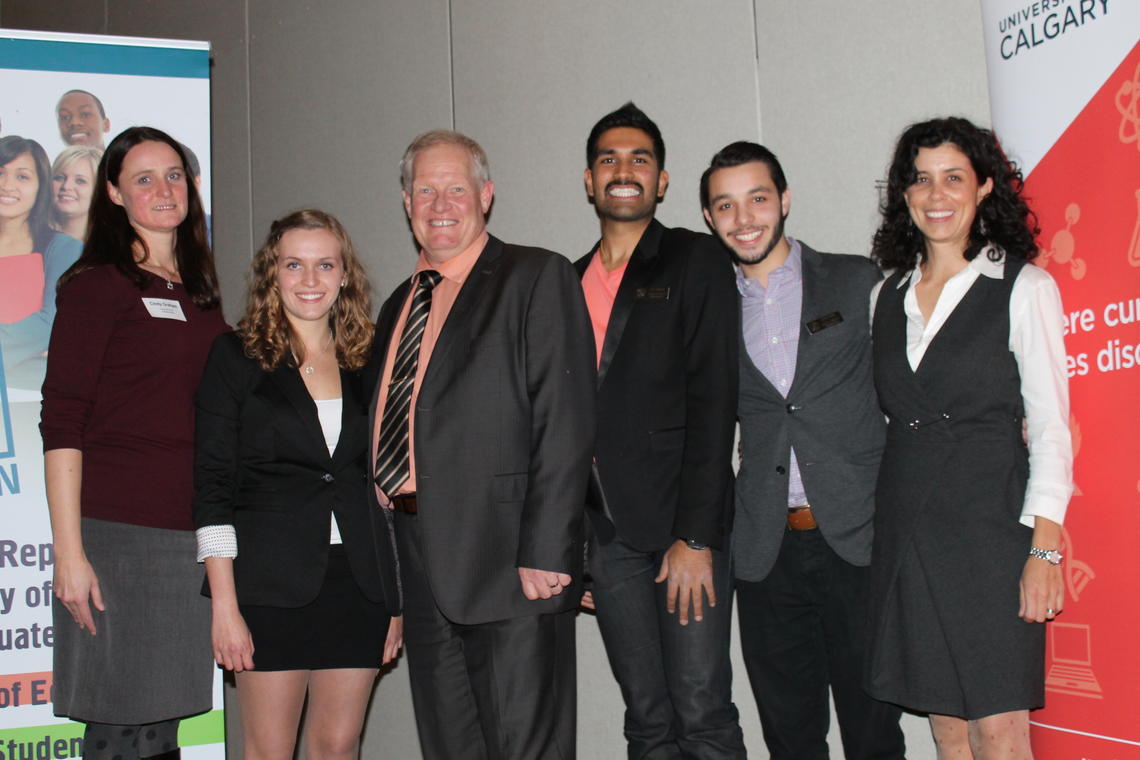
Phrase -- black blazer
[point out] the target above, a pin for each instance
(261, 465)
(666, 395)
(504, 421)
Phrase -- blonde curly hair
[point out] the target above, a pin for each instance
(264, 329)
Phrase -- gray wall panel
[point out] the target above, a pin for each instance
(55, 16)
(334, 99)
(839, 81)
(531, 78)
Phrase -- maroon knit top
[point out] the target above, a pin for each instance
(120, 386)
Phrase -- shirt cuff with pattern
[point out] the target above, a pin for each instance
(216, 541)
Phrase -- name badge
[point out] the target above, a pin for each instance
(164, 308)
(653, 294)
(824, 322)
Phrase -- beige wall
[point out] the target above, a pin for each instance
(313, 104)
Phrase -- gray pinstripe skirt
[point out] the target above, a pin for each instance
(150, 659)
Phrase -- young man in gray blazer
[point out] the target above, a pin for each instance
(811, 438)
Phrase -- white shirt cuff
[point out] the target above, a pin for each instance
(216, 541)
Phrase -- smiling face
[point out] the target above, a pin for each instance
(626, 181)
(80, 122)
(310, 273)
(747, 212)
(151, 187)
(19, 184)
(447, 204)
(71, 187)
(943, 199)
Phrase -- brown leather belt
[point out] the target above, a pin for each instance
(406, 503)
(801, 518)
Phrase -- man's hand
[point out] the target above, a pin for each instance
(687, 572)
(587, 602)
(542, 584)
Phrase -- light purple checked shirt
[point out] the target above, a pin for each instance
(771, 322)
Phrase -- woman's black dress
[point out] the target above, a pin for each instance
(945, 636)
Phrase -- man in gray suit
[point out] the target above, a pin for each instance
(811, 439)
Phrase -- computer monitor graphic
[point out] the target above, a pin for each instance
(1070, 665)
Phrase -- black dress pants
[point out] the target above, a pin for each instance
(676, 680)
(802, 630)
(503, 690)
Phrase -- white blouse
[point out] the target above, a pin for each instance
(328, 412)
(1036, 340)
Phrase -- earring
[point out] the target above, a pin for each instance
(343, 283)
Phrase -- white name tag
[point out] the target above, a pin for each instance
(164, 308)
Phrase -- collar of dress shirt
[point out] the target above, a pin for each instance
(981, 264)
(792, 268)
(457, 267)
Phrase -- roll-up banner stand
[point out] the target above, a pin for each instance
(1064, 80)
(160, 83)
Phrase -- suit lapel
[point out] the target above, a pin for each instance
(814, 274)
(292, 387)
(351, 420)
(637, 273)
(454, 327)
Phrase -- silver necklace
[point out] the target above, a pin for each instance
(309, 368)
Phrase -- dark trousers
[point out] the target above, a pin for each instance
(676, 680)
(802, 629)
(497, 691)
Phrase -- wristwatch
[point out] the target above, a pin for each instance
(1052, 556)
(694, 544)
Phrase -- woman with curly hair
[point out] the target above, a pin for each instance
(970, 367)
(301, 573)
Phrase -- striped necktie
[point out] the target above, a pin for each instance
(392, 451)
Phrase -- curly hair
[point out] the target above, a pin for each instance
(264, 329)
(112, 239)
(1003, 219)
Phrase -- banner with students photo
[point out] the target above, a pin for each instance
(1064, 78)
(64, 98)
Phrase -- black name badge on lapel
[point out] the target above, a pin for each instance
(653, 294)
(824, 322)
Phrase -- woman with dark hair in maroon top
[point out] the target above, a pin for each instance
(135, 319)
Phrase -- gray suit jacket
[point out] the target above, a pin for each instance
(831, 416)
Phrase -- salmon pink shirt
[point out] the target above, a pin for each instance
(600, 288)
(443, 295)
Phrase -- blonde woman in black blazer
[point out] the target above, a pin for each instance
(300, 570)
